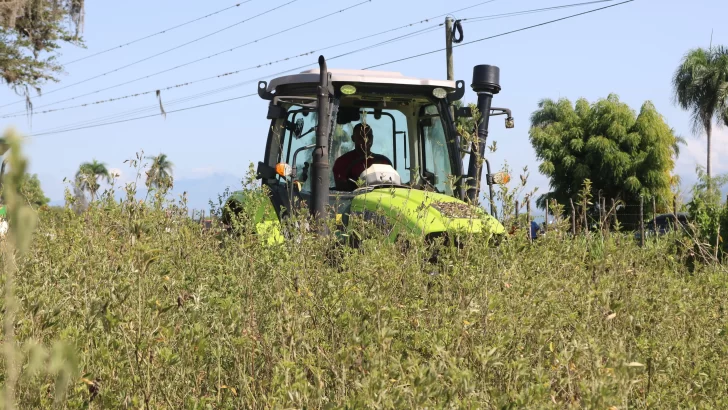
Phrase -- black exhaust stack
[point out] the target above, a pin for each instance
(320, 166)
(486, 83)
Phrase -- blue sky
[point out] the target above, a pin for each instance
(631, 50)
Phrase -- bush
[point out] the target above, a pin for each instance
(147, 309)
(186, 319)
(708, 215)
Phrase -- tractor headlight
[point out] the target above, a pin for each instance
(348, 89)
(439, 93)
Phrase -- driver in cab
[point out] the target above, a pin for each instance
(349, 166)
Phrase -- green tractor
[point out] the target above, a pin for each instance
(411, 153)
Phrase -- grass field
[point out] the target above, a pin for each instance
(129, 315)
(131, 304)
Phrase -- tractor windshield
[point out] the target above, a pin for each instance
(389, 131)
(411, 136)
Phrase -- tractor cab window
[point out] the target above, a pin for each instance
(389, 134)
(298, 131)
(436, 166)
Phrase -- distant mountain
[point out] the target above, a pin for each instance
(201, 190)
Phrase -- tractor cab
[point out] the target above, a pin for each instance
(344, 142)
(410, 127)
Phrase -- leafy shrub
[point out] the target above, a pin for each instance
(161, 313)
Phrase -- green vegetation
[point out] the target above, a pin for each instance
(159, 174)
(700, 84)
(147, 310)
(622, 153)
(87, 177)
(32, 31)
(31, 191)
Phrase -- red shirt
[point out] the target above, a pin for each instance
(352, 164)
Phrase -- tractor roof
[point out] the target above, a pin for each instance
(359, 76)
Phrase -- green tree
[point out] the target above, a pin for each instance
(31, 191)
(700, 85)
(159, 174)
(32, 31)
(88, 176)
(624, 154)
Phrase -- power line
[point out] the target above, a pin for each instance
(229, 87)
(207, 93)
(147, 116)
(519, 13)
(139, 94)
(199, 59)
(170, 49)
(226, 88)
(157, 33)
(498, 35)
(416, 33)
(24, 112)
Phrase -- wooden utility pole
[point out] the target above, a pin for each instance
(448, 54)
(448, 48)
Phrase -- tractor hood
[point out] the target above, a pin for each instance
(422, 212)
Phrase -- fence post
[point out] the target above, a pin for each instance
(546, 217)
(586, 221)
(528, 218)
(674, 209)
(603, 212)
(642, 221)
(573, 218)
(654, 216)
(614, 216)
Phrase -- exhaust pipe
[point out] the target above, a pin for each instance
(320, 160)
(486, 83)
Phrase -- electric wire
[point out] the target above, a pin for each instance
(229, 87)
(520, 13)
(423, 31)
(24, 113)
(149, 116)
(199, 59)
(207, 93)
(157, 33)
(498, 35)
(168, 50)
(407, 58)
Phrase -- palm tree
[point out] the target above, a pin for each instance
(159, 174)
(700, 85)
(88, 176)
